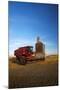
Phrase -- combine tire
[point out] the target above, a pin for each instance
(22, 60)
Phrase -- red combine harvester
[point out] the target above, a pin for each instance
(23, 54)
(26, 53)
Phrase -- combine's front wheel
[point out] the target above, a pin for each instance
(22, 60)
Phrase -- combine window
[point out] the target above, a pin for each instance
(30, 49)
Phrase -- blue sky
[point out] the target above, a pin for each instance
(29, 20)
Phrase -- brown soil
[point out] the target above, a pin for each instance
(33, 74)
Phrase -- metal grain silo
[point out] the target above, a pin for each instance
(40, 49)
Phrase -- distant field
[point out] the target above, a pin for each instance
(33, 74)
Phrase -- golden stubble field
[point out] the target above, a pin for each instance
(33, 74)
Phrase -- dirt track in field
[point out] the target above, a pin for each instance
(33, 74)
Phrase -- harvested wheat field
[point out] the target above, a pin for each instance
(33, 74)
